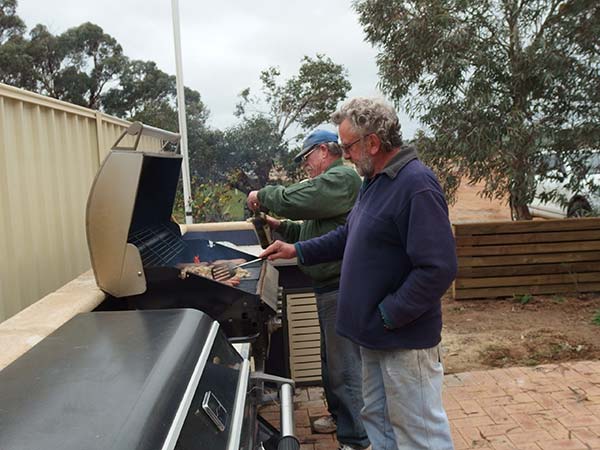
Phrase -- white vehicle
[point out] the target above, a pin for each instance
(567, 202)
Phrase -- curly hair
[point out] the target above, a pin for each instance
(371, 116)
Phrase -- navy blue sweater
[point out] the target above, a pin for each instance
(399, 258)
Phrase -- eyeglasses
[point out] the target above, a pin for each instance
(306, 155)
(346, 147)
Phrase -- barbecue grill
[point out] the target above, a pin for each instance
(136, 249)
(122, 380)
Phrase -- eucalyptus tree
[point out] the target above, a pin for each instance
(499, 84)
(304, 100)
(284, 110)
(75, 66)
(15, 64)
(11, 25)
(93, 59)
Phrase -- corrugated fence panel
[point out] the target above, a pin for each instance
(49, 154)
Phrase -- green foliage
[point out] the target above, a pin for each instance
(596, 318)
(523, 299)
(497, 83)
(144, 93)
(11, 25)
(305, 100)
(302, 102)
(253, 147)
(448, 174)
(16, 64)
(211, 202)
(94, 58)
(74, 66)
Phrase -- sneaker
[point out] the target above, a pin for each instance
(324, 424)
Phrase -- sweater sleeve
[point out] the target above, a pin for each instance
(431, 248)
(328, 195)
(326, 248)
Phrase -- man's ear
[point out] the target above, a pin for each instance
(324, 151)
(373, 144)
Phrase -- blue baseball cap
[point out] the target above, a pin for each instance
(315, 138)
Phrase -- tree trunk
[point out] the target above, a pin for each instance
(518, 211)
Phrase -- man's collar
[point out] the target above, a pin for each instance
(337, 162)
(406, 154)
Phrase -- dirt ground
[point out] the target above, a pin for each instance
(481, 334)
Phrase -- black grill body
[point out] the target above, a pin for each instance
(145, 380)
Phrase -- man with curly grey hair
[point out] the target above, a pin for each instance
(399, 258)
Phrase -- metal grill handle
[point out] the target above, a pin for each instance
(138, 129)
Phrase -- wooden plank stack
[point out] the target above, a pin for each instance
(502, 259)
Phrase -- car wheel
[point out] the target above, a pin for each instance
(579, 208)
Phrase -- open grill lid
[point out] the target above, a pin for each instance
(130, 202)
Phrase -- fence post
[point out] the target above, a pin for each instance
(99, 137)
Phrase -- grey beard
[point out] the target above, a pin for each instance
(364, 166)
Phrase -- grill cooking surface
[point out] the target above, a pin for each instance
(158, 245)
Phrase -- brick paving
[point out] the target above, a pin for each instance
(548, 407)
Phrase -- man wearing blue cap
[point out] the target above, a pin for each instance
(322, 203)
(399, 258)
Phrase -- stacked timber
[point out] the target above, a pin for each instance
(503, 259)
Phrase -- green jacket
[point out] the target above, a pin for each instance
(322, 203)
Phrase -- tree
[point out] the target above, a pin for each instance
(305, 100)
(275, 120)
(75, 66)
(47, 55)
(252, 147)
(499, 84)
(92, 59)
(144, 93)
(148, 94)
(11, 25)
(16, 64)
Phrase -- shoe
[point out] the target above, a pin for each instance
(324, 425)
(349, 447)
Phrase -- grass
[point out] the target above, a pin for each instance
(596, 318)
(523, 299)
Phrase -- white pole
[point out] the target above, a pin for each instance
(181, 109)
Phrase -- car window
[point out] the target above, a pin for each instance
(551, 162)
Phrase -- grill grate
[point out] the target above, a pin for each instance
(158, 245)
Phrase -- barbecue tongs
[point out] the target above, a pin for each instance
(221, 272)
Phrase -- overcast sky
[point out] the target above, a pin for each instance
(226, 43)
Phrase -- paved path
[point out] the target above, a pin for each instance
(549, 407)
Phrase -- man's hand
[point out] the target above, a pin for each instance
(252, 201)
(279, 250)
(273, 223)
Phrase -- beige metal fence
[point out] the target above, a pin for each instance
(49, 153)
